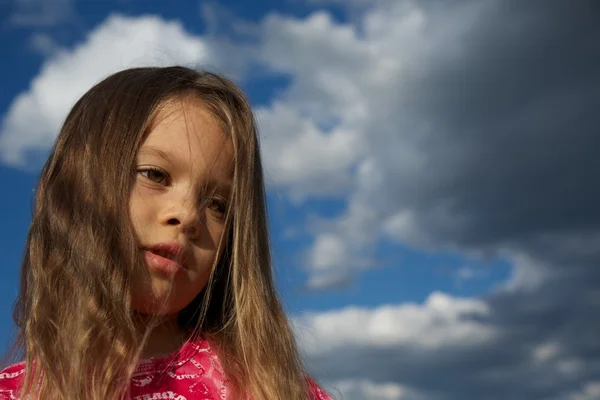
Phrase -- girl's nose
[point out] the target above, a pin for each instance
(185, 216)
(189, 226)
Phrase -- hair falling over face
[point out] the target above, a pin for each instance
(77, 326)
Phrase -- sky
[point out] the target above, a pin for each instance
(430, 171)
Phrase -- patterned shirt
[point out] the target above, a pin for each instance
(192, 373)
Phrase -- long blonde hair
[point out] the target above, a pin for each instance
(74, 311)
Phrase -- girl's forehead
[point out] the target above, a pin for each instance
(184, 112)
(185, 132)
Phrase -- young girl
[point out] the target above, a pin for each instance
(147, 271)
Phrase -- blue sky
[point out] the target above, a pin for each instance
(429, 171)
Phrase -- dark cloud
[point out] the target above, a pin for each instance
(508, 124)
(513, 124)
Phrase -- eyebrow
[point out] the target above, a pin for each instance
(151, 150)
(222, 187)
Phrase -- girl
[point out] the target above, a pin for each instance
(147, 272)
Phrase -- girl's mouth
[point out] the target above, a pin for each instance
(162, 264)
(167, 257)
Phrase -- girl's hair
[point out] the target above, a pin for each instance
(74, 311)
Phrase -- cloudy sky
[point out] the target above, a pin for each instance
(431, 170)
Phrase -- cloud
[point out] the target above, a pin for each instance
(300, 156)
(365, 352)
(328, 262)
(453, 110)
(477, 122)
(363, 389)
(34, 117)
(41, 13)
(590, 391)
(442, 321)
(44, 44)
(525, 345)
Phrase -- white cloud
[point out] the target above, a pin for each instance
(328, 280)
(349, 77)
(329, 261)
(440, 321)
(35, 116)
(44, 44)
(41, 13)
(467, 273)
(329, 251)
(403, 227)
(528, 273)
(383, 353)
(368, 390)
(296, 151)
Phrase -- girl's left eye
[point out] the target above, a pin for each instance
(155, 175)
(217, 205)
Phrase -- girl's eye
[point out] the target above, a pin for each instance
(217, 205)
(155, 175)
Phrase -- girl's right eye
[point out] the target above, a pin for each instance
(155, 175)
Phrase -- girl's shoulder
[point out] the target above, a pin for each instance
(316, 392)
(11, 379)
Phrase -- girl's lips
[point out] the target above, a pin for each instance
(162, 264)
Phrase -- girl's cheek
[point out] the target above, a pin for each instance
(216, 231)
(139, 210)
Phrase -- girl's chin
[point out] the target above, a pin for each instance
(155, 310)
(160, 299)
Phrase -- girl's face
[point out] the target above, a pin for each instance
(178, 204)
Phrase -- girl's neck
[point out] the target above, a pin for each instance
(165, 338)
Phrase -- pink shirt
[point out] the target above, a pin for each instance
(193, 373)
